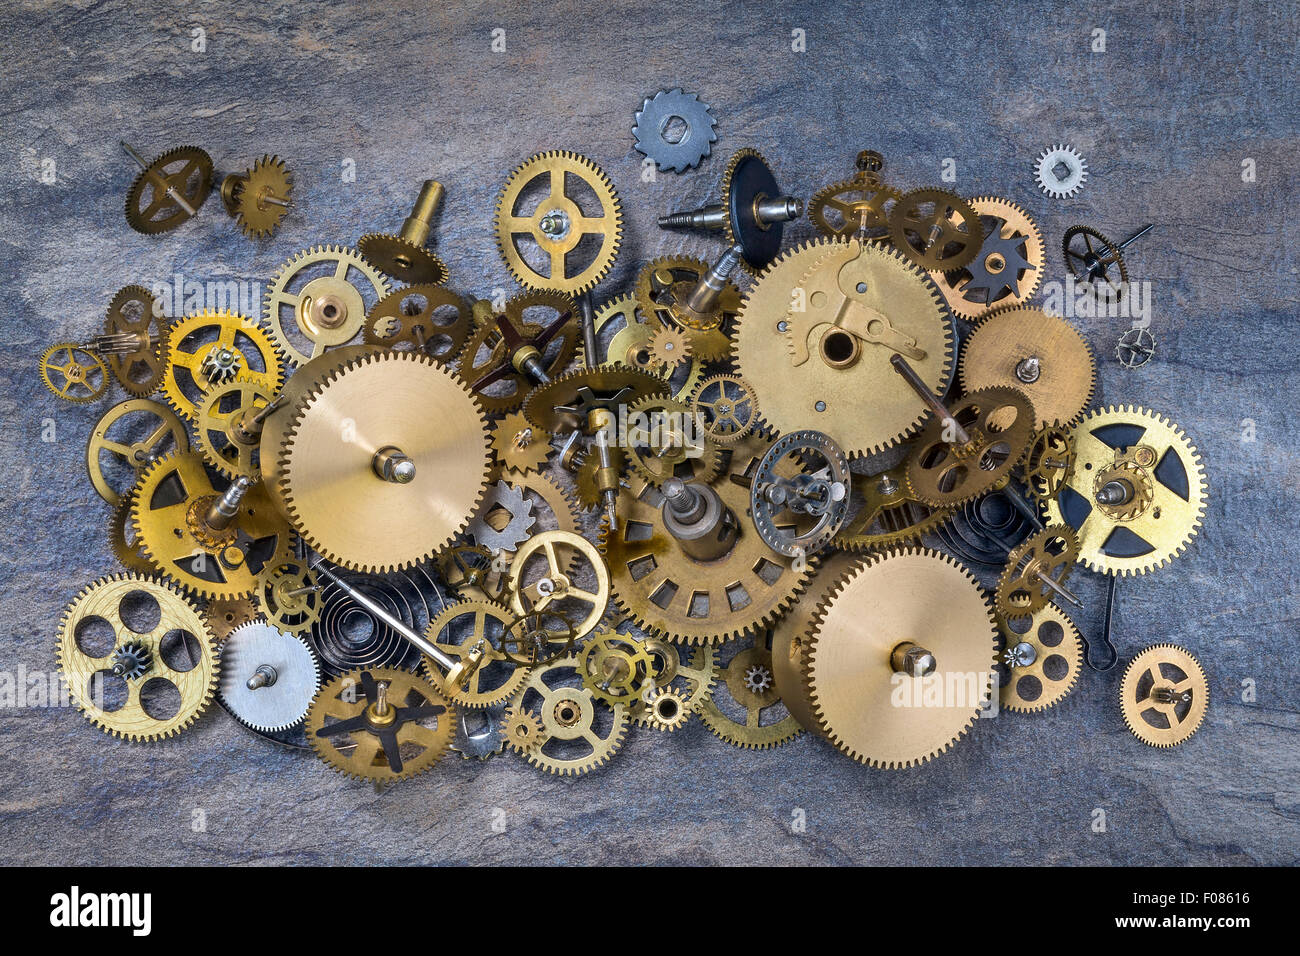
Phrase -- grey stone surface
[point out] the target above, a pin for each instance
(1183, 94)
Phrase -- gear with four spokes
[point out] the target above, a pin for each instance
(214, 348)
(169, 190)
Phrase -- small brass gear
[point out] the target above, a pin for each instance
(665, 440)
(936, 229)
(229, 435)
(185, 172)
(426, 318)
(133, 433)
(1038, 666)
(727, 406)
(135, 316)
(758, 718)
(290, 596)
(318, 300)
(260, 198)
(615, 668)
(211, 348)
(522, 730)
(474, 627)
(558, 223)
(669, 347)
(663, 288)
(179, 650)
(631, 340)
(380, 724)
(227, 614)
(1050, 461)
(73, 373)
(580, 732)
(1008, 268)
(518, 446)
(1163, 695)
(1049, 553)
(857, 207)
(402, 259)
(689, 672)
(665, 709)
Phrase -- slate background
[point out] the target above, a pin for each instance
(1165, 117)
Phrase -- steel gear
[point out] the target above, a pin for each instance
(681, 116)
(1060, 185)
(131, 661)
(170, 516)
(261, 197)
(518, 446)
(756, 717)
(179, 649)
(1038, 354)
(1135, 348)
(888, 513)
(397, 484)
(727, 407)
(838, 348)
(426, 318)
(558, 223)
(504, 520)
(313, 305)
(929, 621)
(522, 730)
(107, 453)
(562, 405)
(663, 289)
(669, 347)
(291, 596)
(136, 325)
(1164, 695)
(73, 373)
(488, 362)
(380, 724)
(229, 433)
(151, 206)
(615, 668)
(1008, 268)
(944, 472)
(630, 341)
(936, 229)
(1050, 461)
(799, 496)
(268, 678)
(1038, 666)
(1051, 554)
(475, 627)
(1089, 257)
(665, 440)
(211, 348)
(225, 615)
(580, 733)
(689, 673)
(1153, 472)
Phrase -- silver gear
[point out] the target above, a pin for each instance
(652, 121)
(479, 732)
(286, 667)
(510, 498)
(1045, 171)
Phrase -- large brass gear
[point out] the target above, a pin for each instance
(751, 688)
(135, 314)
(186, 171)
(819, 355)
(944, 472)
(459, 629)
(1041, 355)
(693, 602)
(212, 348)
(229, 435)
(631, 344)
(1049, 553)
(664, 286)
(689, 673)
(1163, 695)
(519, 447)
(168, 433)
(352, 732)
(558, 223)
(249, 198)
(488, 349)
(123, 540)
(888, 513)
(936, 229)
(1008, 268)
(169, 512)
(919, 600)
(560, 406)
(73, 373)
(1150, 455)
(310, 309)
(327, 472)
(426, 318)
(161, 650)
(575, 741)
(1038, 665)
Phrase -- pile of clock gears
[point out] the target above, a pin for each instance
(384, 519)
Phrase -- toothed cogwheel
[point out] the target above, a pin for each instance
(688, 672)
(862, 305)
(261, 197)
(630, 345)
(178, 653)
(227, 614)
(474, 627)
(1163, 695)
(522, 730)
(487, 363)
(139, 331)
(746, 182)
(1074, 171)
(663, 289)
(664, 439)
(563, 404)
(229, 434)
(727, 407)
(425, 318)
(1008, 268)
(318, 300)
(268, 678)
(615, 667)
(682, 116)
(402, 259)
(558, 223)
(1038, 666)
(854, 208)
(665, 709)
(1151, 485)
(211, 348)
(936, 229)
(73, 373)
(755, 716)
(291, 596)
(928, 615)
(132, 433)
(887, 514)
(1021, 590)
(150, 204)
(518, 446)
(580, 733)
(669, 347)
(504, 520)
(391, 413)
(1050, 461)
(380, 724)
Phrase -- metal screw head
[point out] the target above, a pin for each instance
(1028, 370)
(1021, 655)
(554, 225)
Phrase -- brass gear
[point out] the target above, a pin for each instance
(402, 259)
(123, 540)
(751, 690)
(630, 345)
(1168, 484)
(936, 229)
(1050, 461)
(168, 430)
(690, 677)
(1041, 677)
(584, 479)
(890, 513)
(135, 312)
(1008, 268)
(225, 615)
(326, 476)
(1164, 671)
(1038, 354)
(188, 171)
(559, 406)
(1047, 553)
(727, 406)
(557, 223)
(915, 596)
(568, 557)
(487, 349)
(73, 373)
(457, 630)
(662, 289)
(210, 348)
(522, 730)
(1000, 425)
(247, 196)
(380, 746)
(168, 515)
(664, 449)
(669, 347)
(615, 667)
(228, 437)
(290, 596)
(839, 210)
(665, 592)
(102, 603)
(426, 318)
(823, 368)
(666, 709)
(568, 712)
(519, 447)
(309, 310)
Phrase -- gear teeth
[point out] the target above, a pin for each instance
(259, 728)
(1016, 704)
(992, 206)
(272, 358)
(133, 193)
(378, 282)
(1202, 685)
(687, 103)
(1053, 188)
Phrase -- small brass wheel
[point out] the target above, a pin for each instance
(74, 373)
(144, 431)
(553, 553)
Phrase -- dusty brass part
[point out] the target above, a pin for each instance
(936, 229)
(259, 197)
(557, 223)
(554, 693)
(74, 373)
(168, 434)
(310, 309)
(663, 288)
(225, 615)
(135, 313)
(1169, 503)
(555, 589)
(1040, 355)
(325, 479)
(563, 404)
(591, 476)
(615, 667)
(669, 443)
(801, 350)
(123, 540)
(376, 722)
(1012, 228)
(404, 256)
(211, 348)
(425, 318)
(1163, 695)
(102, 601)
(857, 702)
(750, 689)
(158, 198)
(1050, 461)
(472, 630)
(229, 434)
(1049, 553)
(889, 513)
(1040, 678)
(487, 349)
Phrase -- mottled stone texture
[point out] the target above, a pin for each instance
(1183, 93)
